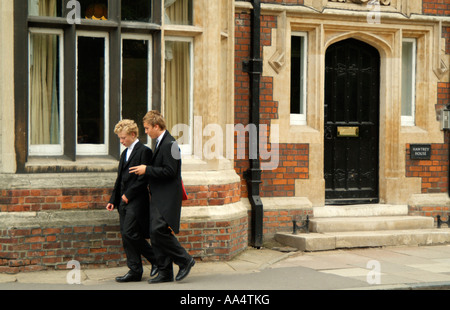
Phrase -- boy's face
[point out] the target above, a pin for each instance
(126, 139)
(152, 131)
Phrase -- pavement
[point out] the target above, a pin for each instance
(274, 269)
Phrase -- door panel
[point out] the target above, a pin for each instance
(352, 83)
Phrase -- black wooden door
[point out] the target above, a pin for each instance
(352, 86)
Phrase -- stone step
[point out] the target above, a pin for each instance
(360, 210)
(370, 223)
(358, 239)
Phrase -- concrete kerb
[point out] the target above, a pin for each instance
(249, 261)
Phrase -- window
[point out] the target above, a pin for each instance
(136, 79)
(408, 81)
(51, 8)
(92, 93)
(136, 10)
(45, 92)
(178, 12)
(298, 78)
(179, 90)
(94, 9)
(83, 77)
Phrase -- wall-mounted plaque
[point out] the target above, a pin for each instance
(420, 151)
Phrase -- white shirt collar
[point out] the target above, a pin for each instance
(160, 138)
(131, 147)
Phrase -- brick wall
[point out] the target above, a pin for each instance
(436, 7)
(34, 200)
(25, 248)
(35, 248)
(434, 172)
(446, 35)
(293, 159)
(281, 220)
(212, 195)
(210, 240)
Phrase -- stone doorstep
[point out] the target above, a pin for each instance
(339, 240)
(363, 210)
(372, 223)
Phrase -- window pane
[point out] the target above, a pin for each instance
(135, 82)
(44, 89)
(137, 10)
(94, 9)
(178, 12)
(91, 90)
(178, 84)
(45, 8)
(408, 73)
(296, 72)
(298, 79)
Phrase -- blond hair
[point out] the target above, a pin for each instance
(127, 125)
(155, 118)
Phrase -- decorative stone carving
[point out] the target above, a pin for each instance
(278, 59)
(440, 64)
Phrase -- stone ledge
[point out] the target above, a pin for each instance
(429, 200)
(95, 217)
(104, 179)
(286, 203)
(57, 180)
(46, 219)
(214, 213)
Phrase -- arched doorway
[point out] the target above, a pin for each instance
(352, 115)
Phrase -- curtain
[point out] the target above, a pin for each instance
(44, 103)
(178, 67)
(177, 86)
(178, 12)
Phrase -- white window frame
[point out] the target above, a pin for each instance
(301, 118)
(186, 149)
(48, 149)
(95, 149)
(410, 120)
(138, 37)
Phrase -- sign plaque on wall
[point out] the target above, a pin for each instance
(420, 151)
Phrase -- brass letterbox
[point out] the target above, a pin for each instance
(348, 132)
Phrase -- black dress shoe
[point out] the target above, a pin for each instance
(161, 278)
(130, 277)
(154, 271)
(184, 271)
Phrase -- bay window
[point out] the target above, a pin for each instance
(84, 77)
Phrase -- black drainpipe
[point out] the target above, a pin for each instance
(253, 175)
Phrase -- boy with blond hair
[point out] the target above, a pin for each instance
(131, 198)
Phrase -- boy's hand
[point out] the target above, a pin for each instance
(139, 170)
(109, 207)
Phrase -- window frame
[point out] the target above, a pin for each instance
(48, 149)
(410, 120)
(138, 37)
(301, 118)
(186, 149)
(95, 149)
